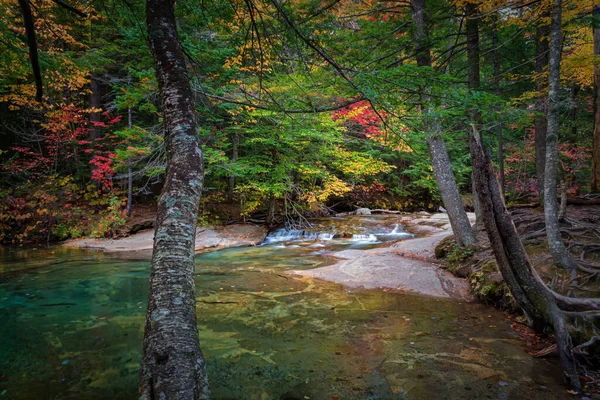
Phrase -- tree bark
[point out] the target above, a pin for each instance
(499, 136)
(474, 79)
(234, 156)
(540, 121)
(595, 187)
(442, 170)
(422, 48)
(129, 172)
(555, 242)
(172, 364)
(440, 161)
(95, 102)
(33, 47)
(536, 300)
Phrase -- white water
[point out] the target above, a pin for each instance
(283, 235)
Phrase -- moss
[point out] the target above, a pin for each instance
(441, 250)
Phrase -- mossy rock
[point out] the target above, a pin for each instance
(492, 289)
(444, 246)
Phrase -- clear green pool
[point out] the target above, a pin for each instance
(71, 324)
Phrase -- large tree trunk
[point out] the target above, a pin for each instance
(540, 121)
(596, 151)
(555, 242)
(442, 168)
(172, 364)
(536, 300)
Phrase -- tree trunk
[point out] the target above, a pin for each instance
(95, 102)
(271, 205)
(555, 242)
(172, 364)
(32, 44)
(536, 300)
(442, 168)
(422, 48)
(540, 121)
(129, 173)
(499, 126)
(595, 187)
(234, 156)
(473, 75)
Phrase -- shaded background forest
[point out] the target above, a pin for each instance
(302, 110)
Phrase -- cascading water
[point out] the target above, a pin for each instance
(367, 235)
(285, 235)
(364, 238)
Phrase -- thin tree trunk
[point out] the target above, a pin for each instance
(32, 44)
(499, 126)
(440, 161)
(172, 364)
(595, 187)
(473, 75)
(555, 242)
(234, 156)
(96, 103)
(129, 173)
(536, 300)
(271, 204)
(540, 121)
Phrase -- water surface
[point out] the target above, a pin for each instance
(72, 324)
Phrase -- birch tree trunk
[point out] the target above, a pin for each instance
(172, 363)
(555, 242)
(440, 161)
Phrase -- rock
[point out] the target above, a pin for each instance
(423, 248)
(362, 211)
(441, 250)
(375, 269)
(141, 225)
(237, 235)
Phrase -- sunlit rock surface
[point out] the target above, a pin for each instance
(222, 237)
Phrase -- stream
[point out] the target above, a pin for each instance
(71, 325)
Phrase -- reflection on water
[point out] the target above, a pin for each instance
(72, 323)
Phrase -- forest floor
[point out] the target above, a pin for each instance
(580, 228)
